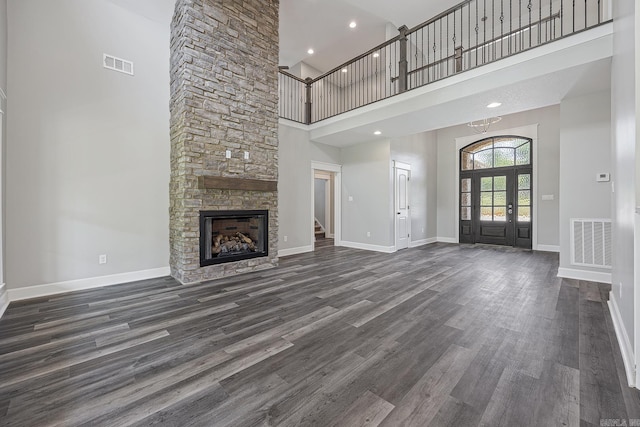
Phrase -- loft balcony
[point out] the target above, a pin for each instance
(428, 76)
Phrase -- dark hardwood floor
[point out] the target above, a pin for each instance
(437, 335)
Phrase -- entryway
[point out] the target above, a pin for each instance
(495, 192)
(325, 204)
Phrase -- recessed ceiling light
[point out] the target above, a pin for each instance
(377, 132)
(375, 55)
(494, 104)
(344, 70)
(352, 24)
(310, 51)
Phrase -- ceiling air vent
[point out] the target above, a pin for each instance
(117, 64)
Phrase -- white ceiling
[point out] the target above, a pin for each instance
(324, 26)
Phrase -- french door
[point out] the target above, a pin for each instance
(496, 202)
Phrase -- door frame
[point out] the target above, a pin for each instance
(405, 166)
(337, 198)
(531, 132)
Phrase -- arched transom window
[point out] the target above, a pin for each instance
(498, 152)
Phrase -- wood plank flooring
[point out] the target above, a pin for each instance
(442, 335)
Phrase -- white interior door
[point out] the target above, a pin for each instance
(403, 220)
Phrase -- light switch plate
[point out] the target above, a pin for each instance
(227, 154)
(548, 197)
(602, 177)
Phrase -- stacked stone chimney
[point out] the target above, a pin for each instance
(224, 97)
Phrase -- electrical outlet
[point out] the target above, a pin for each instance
(286, 238)
(227, 154)
(102, 259)
(423, 229)
(368, 234)
(246, 155)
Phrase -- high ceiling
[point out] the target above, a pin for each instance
(324, 26)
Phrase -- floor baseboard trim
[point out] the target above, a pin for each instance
(294, 251)
(88, 283)
(4, 299)
(591, 276)
(416, 243)
(446, 240)
(623, 341)
(367, 247)
(548, 248)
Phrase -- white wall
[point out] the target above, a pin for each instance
(585, 150)
(3, 44)
(4, 296)
(366, 177)
(294, 188)
(420, 151)
(87, 148)
(547, 180)
(295, 153)
(624, 117)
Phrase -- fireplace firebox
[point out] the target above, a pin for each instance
(228, 236)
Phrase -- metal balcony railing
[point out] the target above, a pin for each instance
(469, 35)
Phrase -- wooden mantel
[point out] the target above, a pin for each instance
(224, 183)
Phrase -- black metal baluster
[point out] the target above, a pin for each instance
(462, 34)
(585, 14)
(529, 7)
(573, 16)
(520, 23)
(484, 31)
(493, 28)
(501, 28)
(477, 28)
(539, 22)
(510, 24)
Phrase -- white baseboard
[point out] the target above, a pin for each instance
(367, 247)
(623, 341)
(89, 283)
(416, 243)
(4, 299)
(591, 276)
(548, 248)
(294, 251)
(446, 239)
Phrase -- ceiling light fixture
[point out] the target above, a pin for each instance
(377, 132)
(353, 24)
(310, 51)
(482, 126)
(494, 104)
(344, 70)
(375, 55)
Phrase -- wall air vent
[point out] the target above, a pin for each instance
(591, 242)
(117, 64)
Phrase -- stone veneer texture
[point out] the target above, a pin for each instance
(224, 96)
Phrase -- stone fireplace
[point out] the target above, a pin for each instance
(224, 131)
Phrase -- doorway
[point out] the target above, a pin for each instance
(323, 211)
(495, 192)
(325, 204)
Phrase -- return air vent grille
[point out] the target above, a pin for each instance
(591, 242)
(117, 64)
